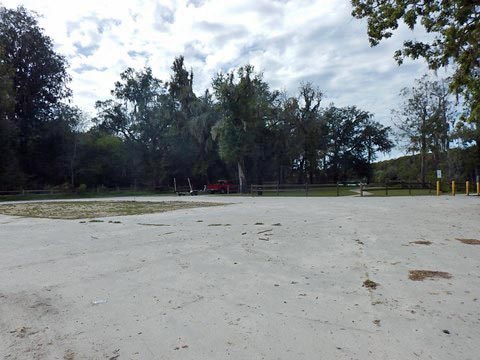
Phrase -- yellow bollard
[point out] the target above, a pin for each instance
(478, 188)
(438, 188)
(453, 187)
(467, 188)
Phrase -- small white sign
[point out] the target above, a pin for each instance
(439, 174)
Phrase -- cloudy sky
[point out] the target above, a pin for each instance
(291, 41)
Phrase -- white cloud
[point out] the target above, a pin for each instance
(290, 41)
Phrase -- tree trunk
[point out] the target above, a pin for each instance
(369, 162)
(422, 167)
(242, 180)
(72, 165)
(301, 175)
(423, 151)
(477, 156)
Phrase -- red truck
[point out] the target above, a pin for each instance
(222, 187)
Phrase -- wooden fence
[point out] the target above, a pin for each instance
(338, 189)
(391, 188)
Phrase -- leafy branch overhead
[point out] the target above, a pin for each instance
(455, 27)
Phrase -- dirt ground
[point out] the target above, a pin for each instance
(93, 209)
(262, 278)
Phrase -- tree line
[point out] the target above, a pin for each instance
(150, 130)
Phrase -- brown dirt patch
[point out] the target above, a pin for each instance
(96, 209)
(421, 242)
(469, 241)
(420, 275)
(369, 284)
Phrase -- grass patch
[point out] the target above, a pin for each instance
(87, 195)
(420, 275)
(469, 241)
(95, 209)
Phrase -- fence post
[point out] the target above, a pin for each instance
(467, 188)
(438, 187)
(361, 190)
(251, 189)
(453, 187)
(478, 187)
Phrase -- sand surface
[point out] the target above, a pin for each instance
(264, 278)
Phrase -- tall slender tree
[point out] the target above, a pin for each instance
(39, 79)
(138, 113)
(424, 120)
(245, 103)
(7, 128)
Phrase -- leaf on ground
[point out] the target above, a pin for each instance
(264, 231)
(469, 241)
(420, 275)
(421, 242)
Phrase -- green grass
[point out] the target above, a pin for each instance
(87, 195)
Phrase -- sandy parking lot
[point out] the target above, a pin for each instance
(263, 278)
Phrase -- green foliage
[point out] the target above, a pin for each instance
(455, 26)
(38, 75)
(308, 130)
(458, 165)
(7, 128)
(425, 119)
(136, 114)
(246, 106)
(149, 131)
(354, 139)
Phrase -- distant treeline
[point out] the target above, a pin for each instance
(457, 166)
(151, 131)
